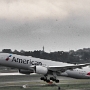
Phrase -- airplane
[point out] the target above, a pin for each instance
(29, 64)
(83, 73)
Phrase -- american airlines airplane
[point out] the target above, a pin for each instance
(28, 64)
(79, 73)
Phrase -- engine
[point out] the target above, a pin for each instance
(23, 71)
(41, 70)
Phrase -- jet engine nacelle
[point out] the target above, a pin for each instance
(25, 71)
(41, 70)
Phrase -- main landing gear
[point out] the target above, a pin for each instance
(54, 79)
(48, 80)
(45, 79)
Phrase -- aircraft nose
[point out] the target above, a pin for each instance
(88, 73)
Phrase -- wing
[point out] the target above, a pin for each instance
(68, 67)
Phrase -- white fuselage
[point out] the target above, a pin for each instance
(26, 62)
(78, 73)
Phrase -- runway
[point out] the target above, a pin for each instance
(20, 79)
(16, 79)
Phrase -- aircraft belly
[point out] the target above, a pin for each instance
(64, 74)
(76, 74)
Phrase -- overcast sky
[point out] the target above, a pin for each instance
(58, 25)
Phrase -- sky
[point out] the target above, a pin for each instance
(58, 25)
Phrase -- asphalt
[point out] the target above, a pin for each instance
(15, 79)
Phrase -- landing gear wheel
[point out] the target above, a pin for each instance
(42, 78)
(45, 79)
(53, 79)
(48, 81)
(57, 81)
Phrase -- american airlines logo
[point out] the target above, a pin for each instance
(25, 61)
(8, 57)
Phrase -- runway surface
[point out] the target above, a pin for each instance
(16, 79)
(20, 79)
